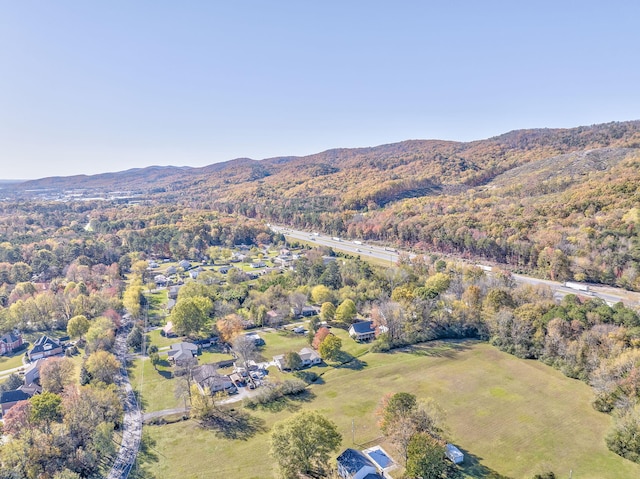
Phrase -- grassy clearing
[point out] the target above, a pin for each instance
(512, 416)
(280, 342)
(156, 388)
(159, 340)
(11, 361)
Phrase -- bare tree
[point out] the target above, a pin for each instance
(245, 348)
(297, 301)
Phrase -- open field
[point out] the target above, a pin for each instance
(510, 416)
(159, 340)
(11, 361)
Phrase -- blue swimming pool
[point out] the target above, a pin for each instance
(379, 456)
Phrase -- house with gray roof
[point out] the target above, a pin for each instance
(182, 353)
(8, 399)
(208, 377)
(44, 347)
(362, 331)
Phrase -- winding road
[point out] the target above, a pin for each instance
(132, 421)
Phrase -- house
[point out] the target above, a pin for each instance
(182, 353)
(193, 274)
(224, 269)
(453, 454)
(307, 311)
(32, 372)
(31, 389)
(184, 264)
(353, 464)
(168, 329)
(173, 292)
(10, 342)
(362, 331)
(161, 280)
(236, 379)
(44, 347)
(171, 270)
(279, 362)
(8, 399)
(153, 265)
(258, 264)
(258, 341)
(309, 357)
(207, 376)
(273, 316)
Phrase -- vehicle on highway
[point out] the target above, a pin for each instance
(576, 286)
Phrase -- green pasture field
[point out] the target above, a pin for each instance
(509, 416)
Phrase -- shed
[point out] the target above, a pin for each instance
(453, 454)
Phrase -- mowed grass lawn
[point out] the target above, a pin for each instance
(510, 416)
(11, 361)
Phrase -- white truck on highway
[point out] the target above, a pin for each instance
(357, 242)
(335, 238)
(577, 286)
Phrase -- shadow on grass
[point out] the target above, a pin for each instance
(142, 403)
(437, 348)
(348, 361)
(474, 468)
(309, 377)
(146, 456)
(165, 374)
(280, 404)
(304, 396)
(235, 424)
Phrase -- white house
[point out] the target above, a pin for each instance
(362, 331)
(309, 357)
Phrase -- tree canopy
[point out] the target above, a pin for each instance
(302, 444)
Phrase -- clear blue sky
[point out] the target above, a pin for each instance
(88, 86)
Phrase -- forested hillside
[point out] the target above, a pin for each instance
(559, 203)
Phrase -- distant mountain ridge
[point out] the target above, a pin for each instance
(355, 177)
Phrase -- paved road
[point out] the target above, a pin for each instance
(132, 422)
(610, 294)
(243, 393)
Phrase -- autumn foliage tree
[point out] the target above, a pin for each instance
(229, 327)
(56, 374)
(320, 335)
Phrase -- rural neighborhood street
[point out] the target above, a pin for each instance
(132, 421)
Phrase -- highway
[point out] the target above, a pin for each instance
(608, 293)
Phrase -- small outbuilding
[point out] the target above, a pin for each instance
(453, 454)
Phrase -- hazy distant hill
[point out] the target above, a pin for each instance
(356, 177)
